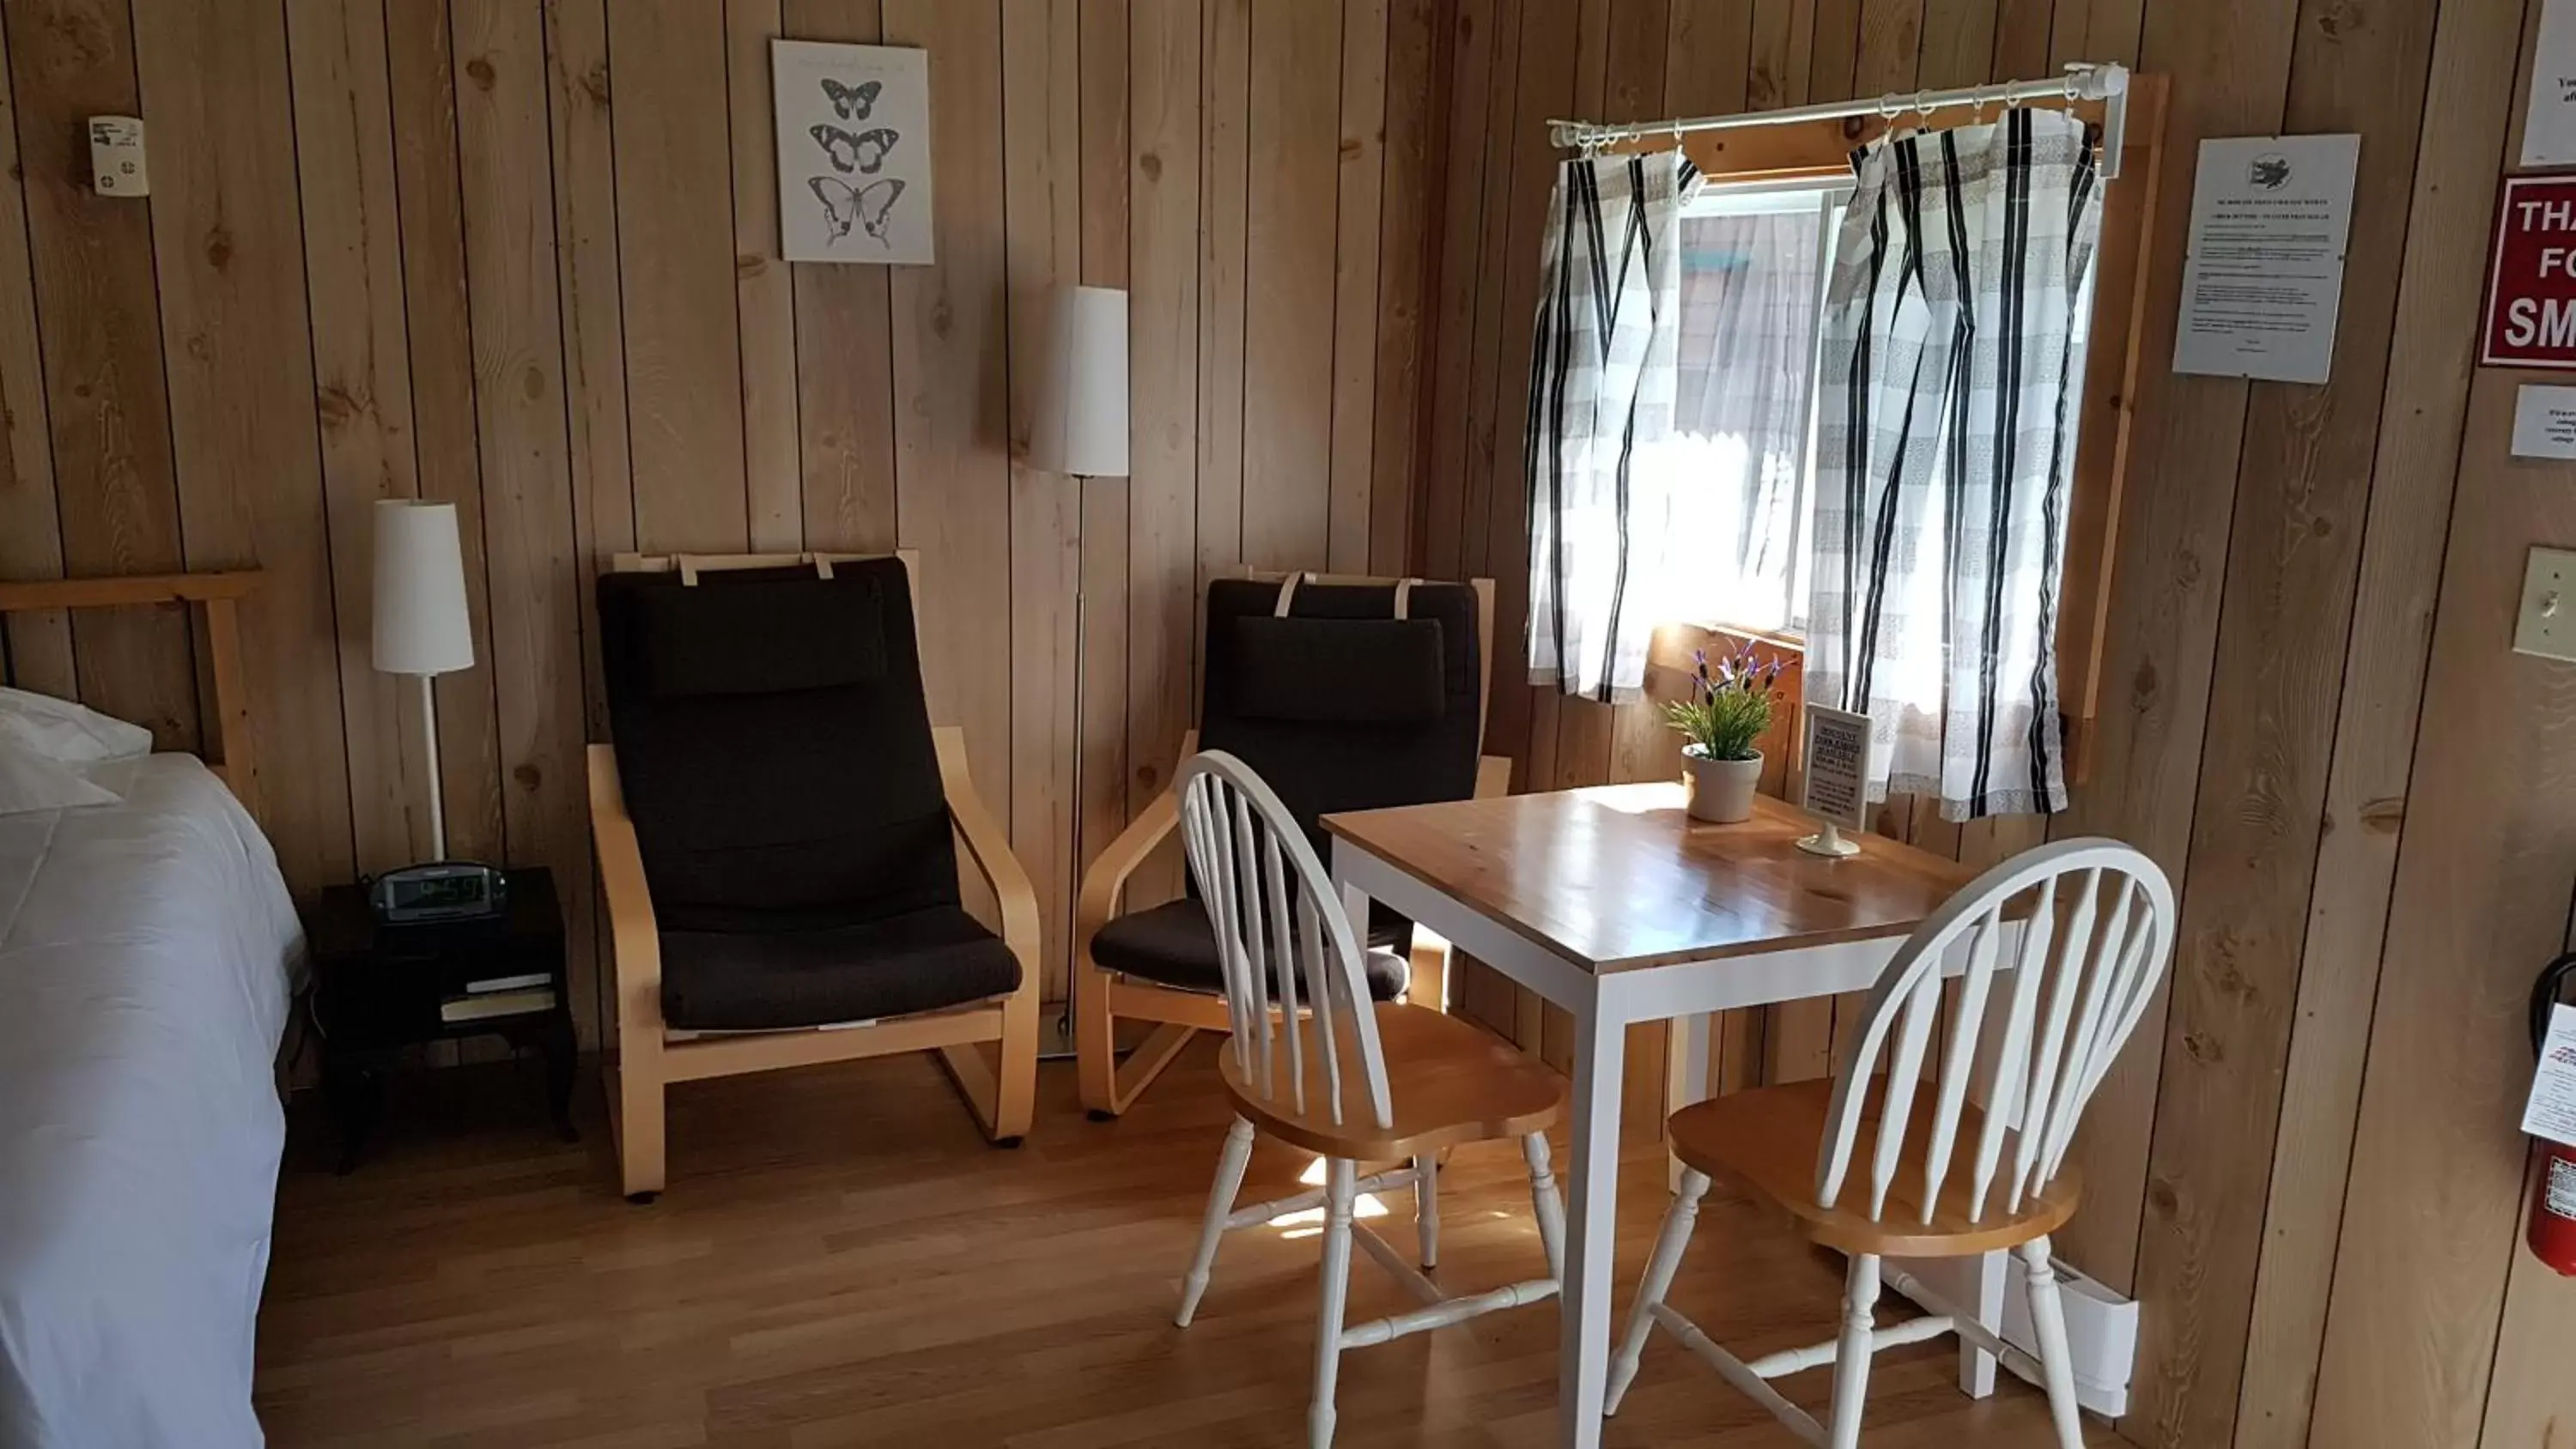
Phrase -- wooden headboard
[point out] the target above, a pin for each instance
(217, 597)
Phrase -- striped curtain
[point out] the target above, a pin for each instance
(1602, 380)
(1945, 440)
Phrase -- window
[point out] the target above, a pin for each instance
(1755, 260)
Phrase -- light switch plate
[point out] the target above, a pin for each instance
(2548, 623)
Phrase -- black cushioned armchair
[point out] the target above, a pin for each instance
(778, 825)
(1344, 694)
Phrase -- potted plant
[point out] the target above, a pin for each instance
(1729, 707)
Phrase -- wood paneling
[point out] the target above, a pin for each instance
(98, 318)
(236, 347)
(2305, 1171)
(39, 644)
(1292, 127)
(1042, 144)
(344, 152)
(420, 51)
(676, 248)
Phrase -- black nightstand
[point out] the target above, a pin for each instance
(379, 988)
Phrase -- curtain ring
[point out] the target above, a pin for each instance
(1923, 106)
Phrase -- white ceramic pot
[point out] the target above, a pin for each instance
(1721, 791)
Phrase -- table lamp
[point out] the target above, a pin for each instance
(421, 626)
(1080, 431)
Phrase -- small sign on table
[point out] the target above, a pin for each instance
(1836, 791)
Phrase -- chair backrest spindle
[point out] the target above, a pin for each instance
(1277, 918)
(2085, 962)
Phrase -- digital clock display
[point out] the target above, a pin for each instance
(441, 891)
(449, 890)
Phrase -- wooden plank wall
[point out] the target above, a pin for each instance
(2305, 1166)
(521, 255)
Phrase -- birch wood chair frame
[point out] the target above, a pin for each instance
(1316, 1063)
(216, 597)
(1103, 997)
(2085, 966)
(999, 1089)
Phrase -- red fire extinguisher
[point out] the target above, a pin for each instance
(2553, 1204)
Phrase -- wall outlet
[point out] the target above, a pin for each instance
(116, 156)
(2548, 623)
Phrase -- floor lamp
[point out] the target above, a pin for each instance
(1080, 432)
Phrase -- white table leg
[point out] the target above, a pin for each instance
(1592, 1226)
(1686, 1050)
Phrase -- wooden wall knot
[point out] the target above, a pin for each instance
(2202, 1048)
(2162, 1197)
(1151, 163)
(481, 72)
(528, 777)
(534, 382)
(594, 83)
(2336, 21)
(2142, 687)
(750, 264)
(338, 405)
(219, 247)
(2384, 816)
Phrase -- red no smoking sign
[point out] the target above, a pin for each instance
(2531, 282)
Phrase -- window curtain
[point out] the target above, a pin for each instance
(1944, 447)
(1600, 400)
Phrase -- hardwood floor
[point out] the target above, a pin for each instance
(840, 1259)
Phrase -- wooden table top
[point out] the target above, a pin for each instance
(1618, 877)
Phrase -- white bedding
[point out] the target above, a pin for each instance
(148, 952)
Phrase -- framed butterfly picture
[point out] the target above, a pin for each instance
(853, 152)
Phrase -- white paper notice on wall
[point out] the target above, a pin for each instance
(2544, 422)
(2551, 1112)
(2549, 130)
(2261, 288)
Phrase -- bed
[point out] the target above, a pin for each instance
(148, 955)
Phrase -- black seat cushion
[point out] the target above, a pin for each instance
(774, 743)
(771, 980)
(1174, 944)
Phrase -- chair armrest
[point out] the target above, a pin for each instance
(989, 846)
(1493, 777)
(1105, 880)
(635, 943)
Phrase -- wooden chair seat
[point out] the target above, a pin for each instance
(1767, 1140)
(1450, 1083)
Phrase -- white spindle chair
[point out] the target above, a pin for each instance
(2093, 924)
(1316, 1065)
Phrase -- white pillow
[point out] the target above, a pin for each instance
(29, 781)
(66, 733)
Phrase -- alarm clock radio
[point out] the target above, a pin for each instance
(445, 890)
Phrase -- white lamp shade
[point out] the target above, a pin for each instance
(1081, 424)
(421, 626)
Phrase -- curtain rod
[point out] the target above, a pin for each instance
(2084, 81)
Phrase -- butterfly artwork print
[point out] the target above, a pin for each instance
(864, 153)
(869, 207)
(852, 103)
(854, 152)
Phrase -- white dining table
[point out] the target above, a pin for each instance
(1612, 904)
